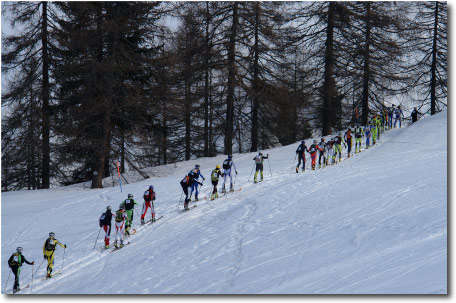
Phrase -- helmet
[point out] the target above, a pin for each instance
(260, 153)
(230, 156)
(51, 234)
(108, 208)
(151, 187)
(130, 196)
(197, 166)
(303, 142)
(19, 249)
(315, 141)
(349, 128)
(122, 206)
(217, 166)
(322, 139)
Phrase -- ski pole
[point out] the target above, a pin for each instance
(40, 266)
(63, 264)
(97, 238)
(4, 290)
(294, 160)
(180, 200)
(251, 172)
(31, 285)
(270, 171)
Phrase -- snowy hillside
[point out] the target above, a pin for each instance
(374, 224)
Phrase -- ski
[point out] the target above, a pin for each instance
(231, 191)
(26, 286)
(184, 210)
(150, 221)
(119, 248)
(52, 275)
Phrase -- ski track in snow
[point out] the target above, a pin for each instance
(368, 224)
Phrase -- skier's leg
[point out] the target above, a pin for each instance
(152, 210)
(16, 271)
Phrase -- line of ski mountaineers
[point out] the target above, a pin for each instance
(123, 217)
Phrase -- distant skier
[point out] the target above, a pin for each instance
(194, 186)
(216, 173)
(313, 149)
(105, 223)
(322, 145)
(121, 217)
(259, 159)
(338, 140)
(149, 197)
(348, 138)
(398, 116)
(302, 148)
(48, 251)
(227, 165)
(368, 133)
(359, 134)
(15, 263)
(415, 114)
(330, 152)
(374, 129)
(129, 206)
(186, 183)
(390, 116)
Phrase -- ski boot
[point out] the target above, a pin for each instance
(115, 244)
(297, 170)
(223, 189)
(231, 187)
(142, 221)
(121, 244)
(106, 246)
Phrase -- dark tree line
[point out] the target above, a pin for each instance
(89, 85)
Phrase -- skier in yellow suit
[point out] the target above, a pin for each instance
(48, 251)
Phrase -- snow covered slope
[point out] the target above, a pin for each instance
(373, 224)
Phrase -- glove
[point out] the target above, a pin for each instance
(200, 184)
(33, 262)
(64, 246)
(45, 257)
(236, 172)
(204, 179)
(267, 155)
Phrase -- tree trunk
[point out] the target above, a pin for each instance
(434, 60)
(206, 86)
(328, 89)
(229, 129)
(45, 173)
(366, 73)
(187, 120)
(103, 153)
(255, 92)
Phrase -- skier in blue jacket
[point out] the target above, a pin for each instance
(194, 187)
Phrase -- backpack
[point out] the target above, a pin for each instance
(226, 164)
(258, 160)
(105, 219)
(214, 175)
(48, 246)
(148, 196)
(12, 262)
(119, 216)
